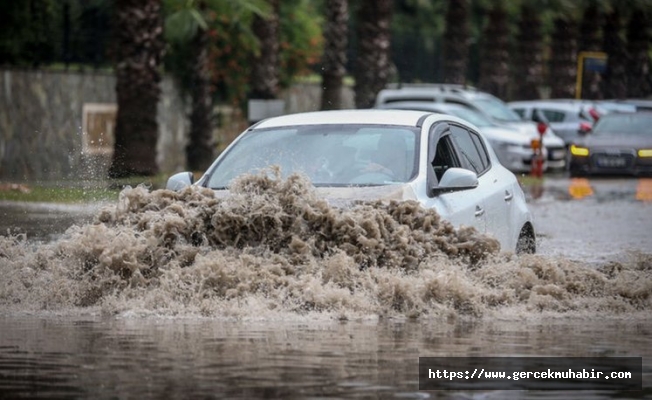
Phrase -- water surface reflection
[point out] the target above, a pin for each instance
(48, 357)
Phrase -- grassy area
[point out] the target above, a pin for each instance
(58, 194)
(75, 192)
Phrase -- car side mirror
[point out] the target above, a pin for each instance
(179, 181)
(455, 180)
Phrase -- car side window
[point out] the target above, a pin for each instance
(470, 154)
(519, 111)
(445, 157)
(481, 150)
(554, 116)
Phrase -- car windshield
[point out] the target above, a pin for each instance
(624, 124)
(496, 109)
(329, 155)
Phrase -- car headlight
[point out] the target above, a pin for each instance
(579, 151)
(645, 153)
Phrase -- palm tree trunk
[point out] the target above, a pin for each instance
(456, 47)
(563, 61)
(638, 42)
(334, 60)
(529, 56)
(265, 74)
(373, 63)
(200, 149)
(494, 70)
(615, 77)
(138, 49)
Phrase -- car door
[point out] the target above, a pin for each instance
(497, 191)
(461, 208)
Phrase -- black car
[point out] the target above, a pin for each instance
(618, 144)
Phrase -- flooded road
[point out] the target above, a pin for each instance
(140, 306)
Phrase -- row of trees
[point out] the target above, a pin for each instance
(233, 50)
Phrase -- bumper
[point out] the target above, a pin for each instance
(556, 157)
(622, 164)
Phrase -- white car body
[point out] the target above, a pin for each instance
(491, 201)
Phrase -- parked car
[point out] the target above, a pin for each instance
(514, 150)
(438, 160)
(485, 103)
(618, 144)
(638, 104)
(568, 119)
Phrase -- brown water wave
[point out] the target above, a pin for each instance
(273, 248)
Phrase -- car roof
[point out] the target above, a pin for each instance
(558, 105)
(430, 93)
(421, 105)
(366, 116)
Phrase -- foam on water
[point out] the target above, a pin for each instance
(272, 248)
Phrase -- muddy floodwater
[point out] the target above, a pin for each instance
(271, 292)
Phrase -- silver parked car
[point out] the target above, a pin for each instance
(485, 103)
(441, 161)
(514, 150)
(568, 119)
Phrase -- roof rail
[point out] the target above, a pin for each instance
(442, 87)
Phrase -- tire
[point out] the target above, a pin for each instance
(526, 243)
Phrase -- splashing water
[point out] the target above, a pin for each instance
(273, 248)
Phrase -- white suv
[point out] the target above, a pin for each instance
(489, 105)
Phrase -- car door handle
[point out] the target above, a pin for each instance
(508, 195)
(479, 211)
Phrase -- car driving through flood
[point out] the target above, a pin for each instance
(441, 161)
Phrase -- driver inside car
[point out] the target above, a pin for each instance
(390, 157)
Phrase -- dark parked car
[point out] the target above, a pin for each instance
(618, 144)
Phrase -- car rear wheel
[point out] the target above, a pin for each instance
(526, 243)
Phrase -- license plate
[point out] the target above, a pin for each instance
(611, 162)
(558, 154)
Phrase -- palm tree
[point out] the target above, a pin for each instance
(456, 42)
(265, 66)
(563, 59)
(188, 26)
(334, 58)
(138, 50)
(529, 55)
(373, 64)
(494, 70)
(590, 41)
(615, 77)
(638, 44)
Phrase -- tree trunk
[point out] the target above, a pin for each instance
(200, 149)
(265, 74)
(638, 42)
(494, 70)
(373, 63)
(334, 60)
(529, 55)
(138, 49)
(456, 43)
(590, 41)
(615, 77)
(563, 61)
